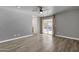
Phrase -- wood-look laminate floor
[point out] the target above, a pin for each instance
(40, 43)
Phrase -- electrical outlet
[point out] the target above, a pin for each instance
(62, 33)
(57, 32)
(15, 35)
(18, 34)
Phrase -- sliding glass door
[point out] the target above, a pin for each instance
(47, 26)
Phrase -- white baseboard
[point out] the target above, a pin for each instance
(15, 38)
(67, 37)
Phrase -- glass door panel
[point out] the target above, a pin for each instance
(47, 26)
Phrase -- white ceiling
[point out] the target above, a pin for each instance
(50, 9)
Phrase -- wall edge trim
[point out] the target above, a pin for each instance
(16, 38)
(67, 37)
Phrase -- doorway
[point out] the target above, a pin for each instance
(47, 26)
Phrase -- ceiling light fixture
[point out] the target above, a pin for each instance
(39, 9)
(41, 12)
(18, 7)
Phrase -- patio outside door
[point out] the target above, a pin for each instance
(47, 26)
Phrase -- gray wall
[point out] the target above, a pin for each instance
(36, 24)
(14, 24)
(67, 23)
